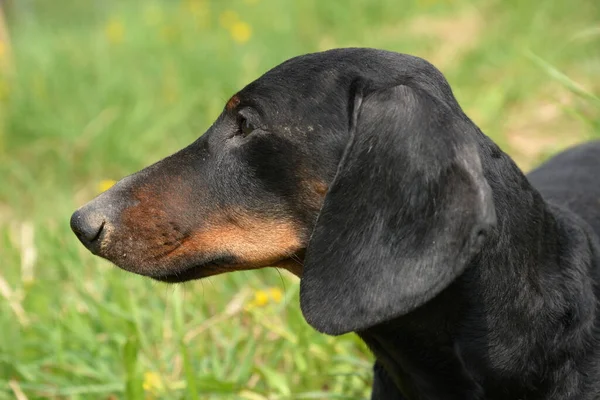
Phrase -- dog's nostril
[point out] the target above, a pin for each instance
(99, 231)
(87, 226)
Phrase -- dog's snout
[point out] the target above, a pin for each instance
(88, 226)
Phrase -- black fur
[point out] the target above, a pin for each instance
(467, 279)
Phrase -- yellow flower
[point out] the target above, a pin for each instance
(240, 32)
(114, 31)
(228, 18)
(152, 382)
(264, 297)
(105, 184)
(261, 298)
(276, 295)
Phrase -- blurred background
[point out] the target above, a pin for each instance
(94, 90)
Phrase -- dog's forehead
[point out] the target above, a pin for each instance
(302, 76)
(312, 75)
(319, 79)
(343, 60)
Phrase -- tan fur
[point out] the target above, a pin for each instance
(255, 242)
(232, 103)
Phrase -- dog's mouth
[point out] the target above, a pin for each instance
(226, 264)
(214, 267)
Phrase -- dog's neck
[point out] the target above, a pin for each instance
(515, 291)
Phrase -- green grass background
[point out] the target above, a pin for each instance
(96, 90)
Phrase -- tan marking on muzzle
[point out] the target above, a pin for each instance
(156, 233)
(152, 221)
(254, 242)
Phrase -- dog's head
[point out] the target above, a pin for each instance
(354, 168)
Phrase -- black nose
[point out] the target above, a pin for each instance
(88, 226)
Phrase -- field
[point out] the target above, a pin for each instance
(94, 90)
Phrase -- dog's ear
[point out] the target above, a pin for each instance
(406, 212)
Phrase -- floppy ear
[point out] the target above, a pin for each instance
(408, 209)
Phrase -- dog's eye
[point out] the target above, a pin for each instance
(246, 127)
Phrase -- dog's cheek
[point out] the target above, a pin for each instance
(251, 241)
(317, 190)
(307, 203)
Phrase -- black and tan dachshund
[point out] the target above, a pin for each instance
(467, 279)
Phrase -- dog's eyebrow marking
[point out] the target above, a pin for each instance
(233, 102)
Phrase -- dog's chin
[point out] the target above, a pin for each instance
(206, 267)
(218, 267)
(193, 273)
(176, 271)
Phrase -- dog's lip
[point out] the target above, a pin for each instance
(198, 271)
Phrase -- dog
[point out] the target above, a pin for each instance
(466, 279)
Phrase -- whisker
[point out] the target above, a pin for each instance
(296, 259)
(281, 278)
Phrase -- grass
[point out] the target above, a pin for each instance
(99, 89)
